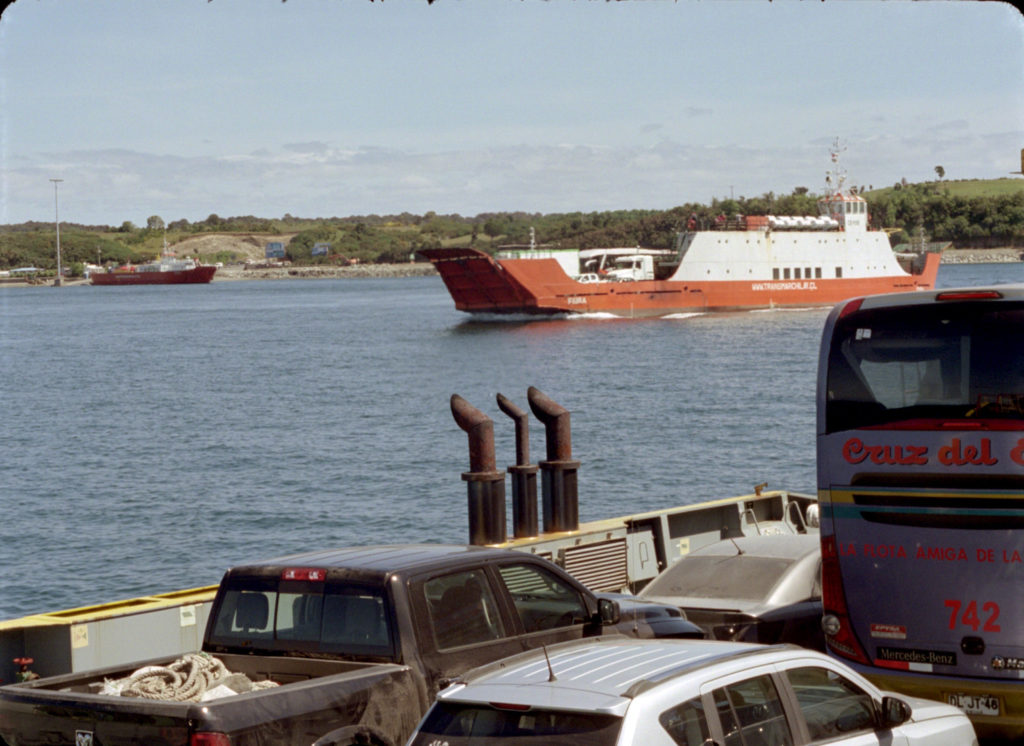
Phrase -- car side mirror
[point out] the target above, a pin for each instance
(608, 611)
(894, 712)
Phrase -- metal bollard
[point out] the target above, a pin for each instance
(485, 485)
(523, 474)
(560, 494)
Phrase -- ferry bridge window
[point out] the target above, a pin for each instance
(807, 273)
(817, 273)
(775, 273)
(785, 273)
(839, 271)
(796, 273)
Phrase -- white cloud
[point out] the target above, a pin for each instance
(317, 179)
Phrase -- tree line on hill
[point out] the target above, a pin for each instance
(980, 221)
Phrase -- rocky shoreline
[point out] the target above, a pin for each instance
(982, 256)
(254, 272)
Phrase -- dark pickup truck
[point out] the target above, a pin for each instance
(359, 640)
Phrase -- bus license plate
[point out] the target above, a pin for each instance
(975, 704)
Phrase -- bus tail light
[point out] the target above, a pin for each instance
(836, 620)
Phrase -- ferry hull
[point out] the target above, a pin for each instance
(198, 275)
(478, 283)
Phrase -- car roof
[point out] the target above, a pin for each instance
(595, 675)
(382, 560)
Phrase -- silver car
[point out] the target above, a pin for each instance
(612, 691)
(752, 589)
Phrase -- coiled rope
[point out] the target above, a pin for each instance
(188, 679)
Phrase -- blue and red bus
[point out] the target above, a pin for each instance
(920, 440)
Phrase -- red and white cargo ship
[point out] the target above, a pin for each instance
(164, 271)
(762, 261)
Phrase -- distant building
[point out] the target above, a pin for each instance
(321, 249)
(275, 250)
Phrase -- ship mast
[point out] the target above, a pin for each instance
(836, 177)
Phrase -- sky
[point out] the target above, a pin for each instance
(334, 108)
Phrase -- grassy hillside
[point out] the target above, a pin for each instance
(969, 213)
(966, 188)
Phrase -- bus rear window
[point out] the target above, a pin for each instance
(926, 363)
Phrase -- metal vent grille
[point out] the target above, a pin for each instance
(524, 580)
(600, 567)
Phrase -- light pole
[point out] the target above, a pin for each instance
(56, 220)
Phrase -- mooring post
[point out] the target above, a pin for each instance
(523, 474)
(560, 495)
(485, 485)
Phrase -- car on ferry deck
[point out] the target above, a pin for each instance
(618, 692)
(764, 588)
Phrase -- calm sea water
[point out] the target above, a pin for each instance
(153, 437)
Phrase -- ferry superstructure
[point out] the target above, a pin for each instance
(739, 262)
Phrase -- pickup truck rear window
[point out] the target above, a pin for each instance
(304, 616)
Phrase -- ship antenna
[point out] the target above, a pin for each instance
(551, 671)
(835, 178)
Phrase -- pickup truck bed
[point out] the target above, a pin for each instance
(316, 695)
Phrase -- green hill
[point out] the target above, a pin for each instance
(967, 188)
(969, 213)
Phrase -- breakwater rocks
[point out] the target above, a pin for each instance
(256, 272)
(981, 256)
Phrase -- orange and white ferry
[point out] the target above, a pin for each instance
(754, 261)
